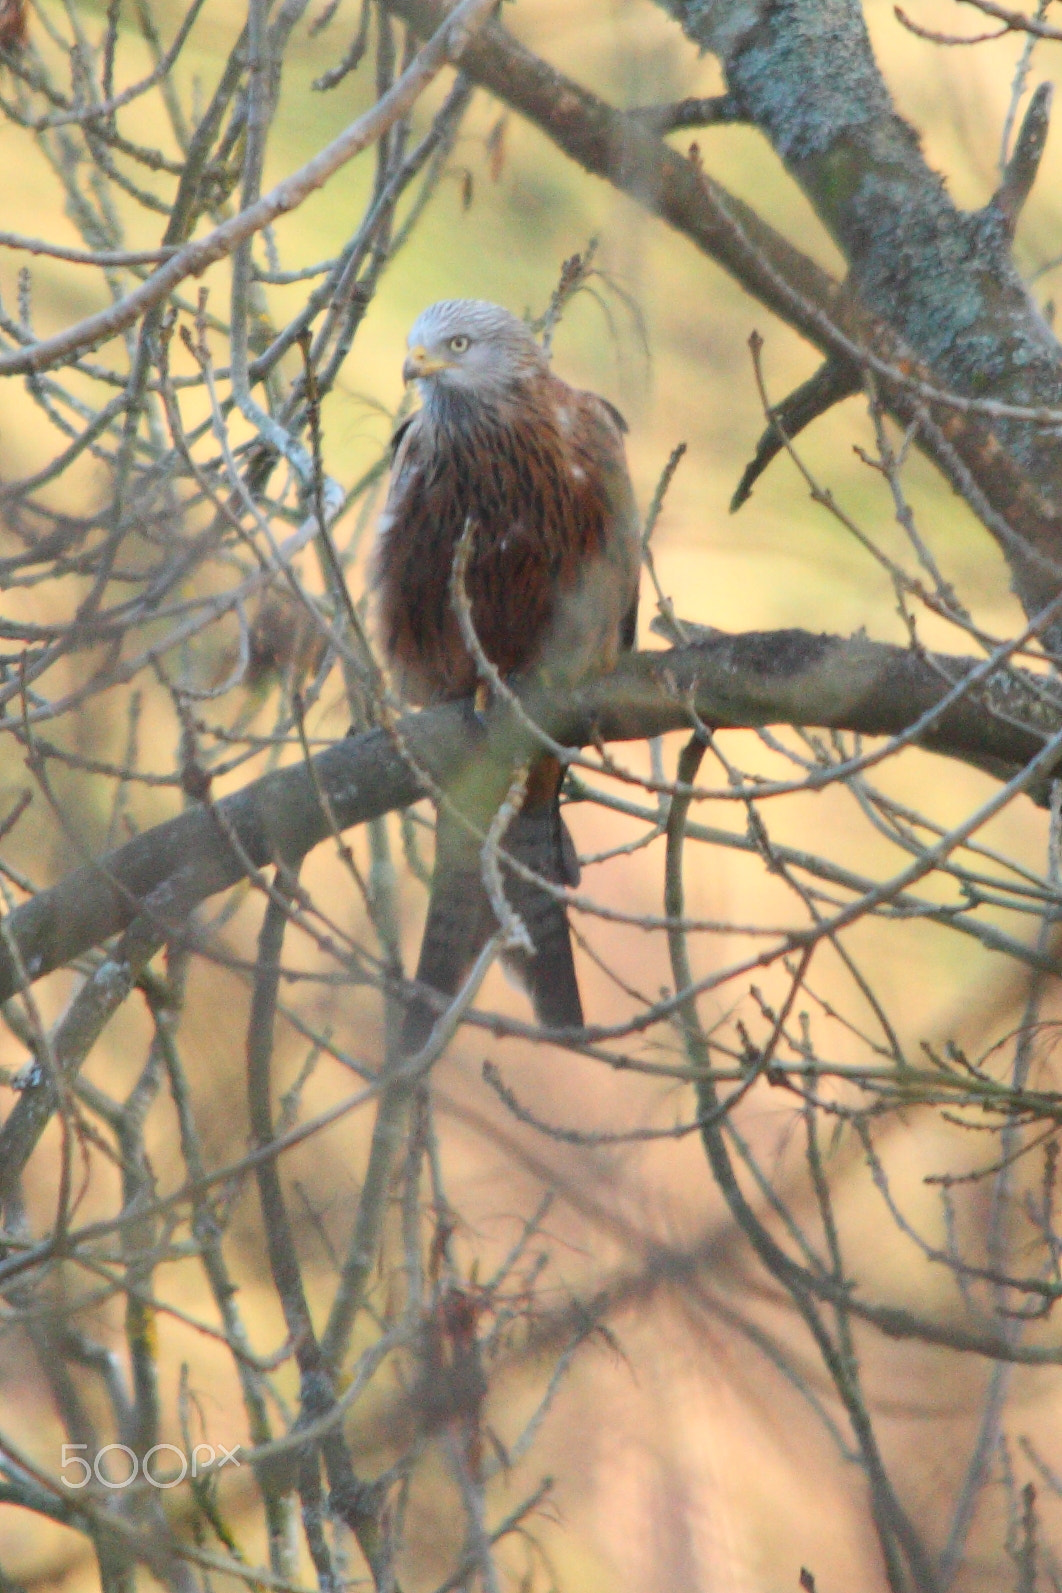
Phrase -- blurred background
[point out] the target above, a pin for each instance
(696, 1442)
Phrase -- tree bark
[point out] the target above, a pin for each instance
(998, 722)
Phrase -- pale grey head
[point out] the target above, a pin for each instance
(470, 348)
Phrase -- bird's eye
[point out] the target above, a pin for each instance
(458, 344)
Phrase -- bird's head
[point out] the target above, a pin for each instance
(473, 348)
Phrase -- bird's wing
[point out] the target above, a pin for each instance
(616, 414)
(398, 434)
(605, 497)
(410, 569)
(407, 461)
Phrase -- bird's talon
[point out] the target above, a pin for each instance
(481, 700)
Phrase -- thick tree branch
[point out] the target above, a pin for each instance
(760, 678)
(943, 278)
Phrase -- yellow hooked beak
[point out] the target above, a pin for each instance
(419, 363)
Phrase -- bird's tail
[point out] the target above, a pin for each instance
(461, 918)
(538, 838)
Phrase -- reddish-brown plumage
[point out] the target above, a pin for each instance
(537, 469)
(539, 479)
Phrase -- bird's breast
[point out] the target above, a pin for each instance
(536, 506)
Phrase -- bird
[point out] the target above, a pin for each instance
(536, 472)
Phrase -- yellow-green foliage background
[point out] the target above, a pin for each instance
(683, 1459)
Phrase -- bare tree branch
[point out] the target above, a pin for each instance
(788, 677)
(446, 47)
